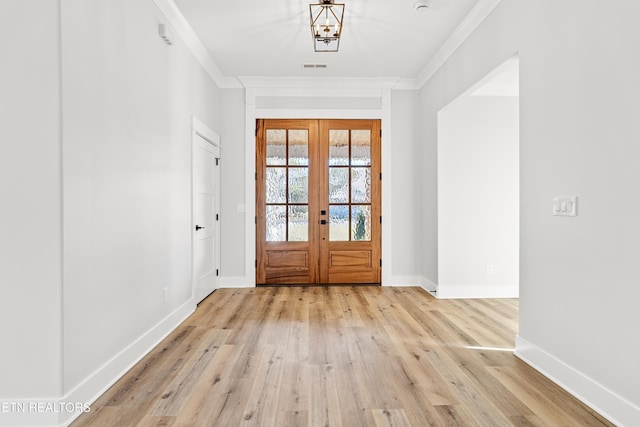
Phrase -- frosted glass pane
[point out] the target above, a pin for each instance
(298, 223)
(360, 223)
(338, 147)
(361, 185)
(276, 147)
(338, 185)
(276, 224)
(360, 147)
(276, 185)
(298, 185)
(338, 223)
(299, 147)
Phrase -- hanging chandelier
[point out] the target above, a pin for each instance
(326, 25)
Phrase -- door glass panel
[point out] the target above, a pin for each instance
(338, 147)
(298, 185)
(276, 147)
(276, 217)
(299, 147)
(298, 223)
(276, 184)
(339, 223)
(360, 147)
(338, 185)
(361, 223)
(361, 185)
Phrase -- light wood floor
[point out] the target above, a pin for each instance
(339, 356)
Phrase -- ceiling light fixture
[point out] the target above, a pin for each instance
(326, 25)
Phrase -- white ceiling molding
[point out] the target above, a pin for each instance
(468, 25)
(317, 82)
(182, 27)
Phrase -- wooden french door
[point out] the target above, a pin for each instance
(318, 202)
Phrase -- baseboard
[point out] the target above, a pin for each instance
(62, 411)
(401, 281)
(429, 286)
(461, 292)
(235, 282)
(613, 407)
(104, 377)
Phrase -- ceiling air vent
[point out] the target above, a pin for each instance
(314, 65)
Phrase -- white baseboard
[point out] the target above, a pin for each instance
(236, 282)
(401, 281)
(60, 411)
(613, 407)
(460, 292)
(429, 286)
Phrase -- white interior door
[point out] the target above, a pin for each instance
(206, 216)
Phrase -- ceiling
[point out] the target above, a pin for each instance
(381, 38)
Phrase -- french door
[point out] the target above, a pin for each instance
(318, 202)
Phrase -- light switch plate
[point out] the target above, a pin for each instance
(565, 206)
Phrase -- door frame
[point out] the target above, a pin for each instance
(199, 129)
(378, 91)
(318, 259)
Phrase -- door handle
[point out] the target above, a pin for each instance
(323, 221)
(198, 227)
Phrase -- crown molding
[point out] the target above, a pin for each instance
(468, 25)
(184, 30)
(317, 82)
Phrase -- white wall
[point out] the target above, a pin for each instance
(578, 136)
(30, 201)
(478, 201)
(353, 99)
(128, 99)
(233, 176)
(96, 194)
(405, 222)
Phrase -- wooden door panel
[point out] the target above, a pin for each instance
(350, 194)
(279, 259)
(339, 259)
(286, 206)
(318, 205)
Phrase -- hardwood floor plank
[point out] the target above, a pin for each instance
(390, 418)
(339, 356)
(262, 402)
(550, 410)
(324, 406)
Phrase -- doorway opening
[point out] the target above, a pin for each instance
(478, 189)
(318, 187)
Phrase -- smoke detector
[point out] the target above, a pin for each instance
(420, 6)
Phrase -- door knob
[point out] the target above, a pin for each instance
(198, 227)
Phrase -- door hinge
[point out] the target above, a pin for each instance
(256, 131)
(255, 219)
(256, 176)
(256, 263)
(380, 176)
(380, 219)
(217, 272)
(217, 161)
(380, 132)
(217, 217)
(381, 263)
